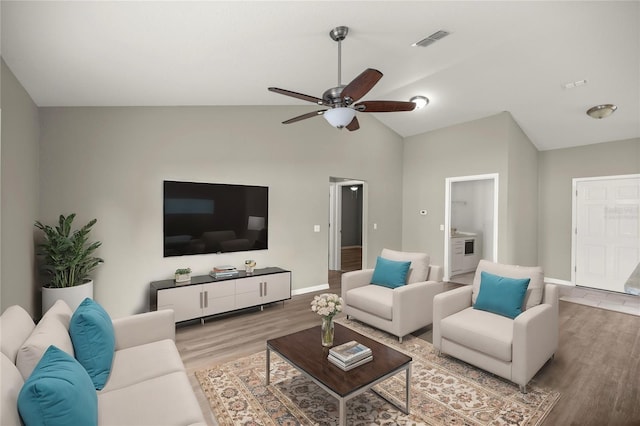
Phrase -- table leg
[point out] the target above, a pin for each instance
(268, 365)
(407, 373)
(343, 412)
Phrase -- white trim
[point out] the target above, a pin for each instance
(574, 213)
(447, 215)
(557, 281)
(310, 289)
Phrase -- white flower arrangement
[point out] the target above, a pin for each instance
(327, 304)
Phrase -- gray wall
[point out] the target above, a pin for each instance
(557, 169)
(109, 163)
(20, 189)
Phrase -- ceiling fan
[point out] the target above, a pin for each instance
(340, 100)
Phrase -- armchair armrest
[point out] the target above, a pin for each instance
(448, 303)
(535, 340)
(144, 328)
(436, 273)
(355, 279)
(413, 304)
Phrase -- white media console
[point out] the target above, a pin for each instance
(206, 296)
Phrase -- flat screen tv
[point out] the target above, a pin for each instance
(214, 218)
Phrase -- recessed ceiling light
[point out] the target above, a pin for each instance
(601, 111)
(420, 101)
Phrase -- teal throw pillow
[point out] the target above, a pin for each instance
(58, 392)
(93, 339)
(390, 273)
(501, 295)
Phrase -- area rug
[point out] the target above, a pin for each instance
(444, 391)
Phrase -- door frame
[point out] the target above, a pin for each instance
(335, 221)
(495, 177)
(574, 214)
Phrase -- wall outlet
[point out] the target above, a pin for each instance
(375, 226)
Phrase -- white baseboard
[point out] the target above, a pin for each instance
(557, 281)
(310, 289)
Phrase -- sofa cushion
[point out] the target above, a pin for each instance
(93, 340)
(374, 299)
(143, 362)
(58, 392)
(536, 285)
(164, 400)
(419, 269)
(390, 273)
(501, 295)
(481, 331)
(53, 329)
(15, 326)
(10, 388)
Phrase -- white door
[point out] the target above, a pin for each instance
(607, 233)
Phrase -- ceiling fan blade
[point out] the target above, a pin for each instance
(354, 125)
(304, 116)
(361, 85)
(384, 106)
(297, 95)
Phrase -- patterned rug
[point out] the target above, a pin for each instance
(444, 391)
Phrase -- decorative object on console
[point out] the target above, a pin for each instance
(68, 258)
(183, 275)
(249, 265)
(327, 305)
(223, 271)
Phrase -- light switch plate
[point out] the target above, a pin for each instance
(316, 228)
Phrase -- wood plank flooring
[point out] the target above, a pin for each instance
(597, 367)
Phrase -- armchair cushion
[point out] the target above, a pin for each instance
(536, 285)
(390, 273)
(481, 331)
(373, 299)
(501, 295)
(419, 269)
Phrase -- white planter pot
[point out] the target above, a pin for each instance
(72, 296)
(183, 278)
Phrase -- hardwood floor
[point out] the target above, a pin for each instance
(351, 258)
(596, 369)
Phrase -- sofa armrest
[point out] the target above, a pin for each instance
(144, 328)
(355, 279)
(535, 340)
(448, 303)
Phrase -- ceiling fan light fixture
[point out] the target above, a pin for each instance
(601, 111)
(339, 117)
(420, 101)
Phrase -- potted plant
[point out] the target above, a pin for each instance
(183, 275)
(68, 259)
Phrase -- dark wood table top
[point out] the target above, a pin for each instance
(305, 351)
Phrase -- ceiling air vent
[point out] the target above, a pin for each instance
(431, 39)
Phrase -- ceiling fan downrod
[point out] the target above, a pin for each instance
(338, 34)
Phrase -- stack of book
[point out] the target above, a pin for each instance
(350, 355)
(223, 271)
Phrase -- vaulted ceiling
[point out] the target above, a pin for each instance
(515, 56)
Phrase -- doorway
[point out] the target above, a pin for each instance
(347, 224)
(606, 237)
(471, 224)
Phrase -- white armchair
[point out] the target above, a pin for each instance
(514, 349)
(400, 310)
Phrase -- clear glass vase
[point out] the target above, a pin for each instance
(327, 331)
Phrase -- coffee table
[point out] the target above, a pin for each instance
(304, 351)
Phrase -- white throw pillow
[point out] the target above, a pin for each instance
(53, 329)
(16, 326)
(419, 269)
(534, 290)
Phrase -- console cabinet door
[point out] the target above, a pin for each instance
(219, 297)
(186, 301)
(248, 292)
(276, 287)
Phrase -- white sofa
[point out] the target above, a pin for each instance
(514, 349)
(400, 310)
(148, 384)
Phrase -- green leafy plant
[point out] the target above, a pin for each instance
(183, 271)
(68, 255)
